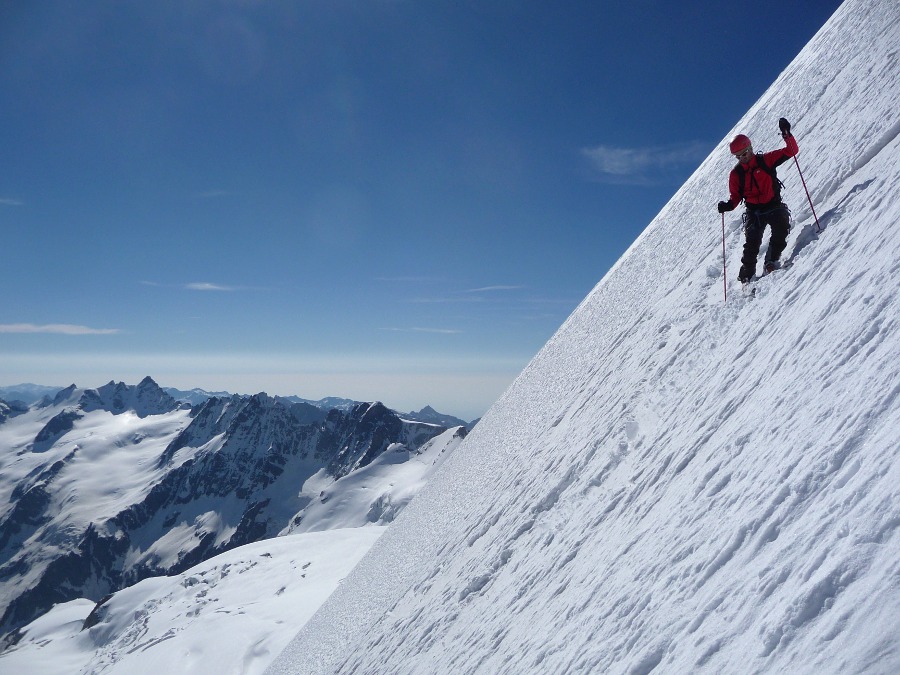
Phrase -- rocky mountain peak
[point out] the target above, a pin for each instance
(145, 398)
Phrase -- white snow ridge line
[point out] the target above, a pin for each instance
(733, 506)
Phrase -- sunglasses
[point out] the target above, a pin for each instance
(743, 153)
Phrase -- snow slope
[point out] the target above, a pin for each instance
(373, 494)
(230, 614)
(676, 484)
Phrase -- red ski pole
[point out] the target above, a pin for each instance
(802, 180)
(724, 263)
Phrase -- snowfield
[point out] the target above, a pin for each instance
(676, 484)
(230, 614)
(373, 494)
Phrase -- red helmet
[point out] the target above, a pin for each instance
(739, 143)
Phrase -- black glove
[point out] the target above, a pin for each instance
(725, 206)
(785, 127)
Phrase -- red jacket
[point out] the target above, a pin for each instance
(758, 183)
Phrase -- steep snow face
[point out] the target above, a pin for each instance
(675, 482)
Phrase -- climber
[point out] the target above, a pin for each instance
(754, 181)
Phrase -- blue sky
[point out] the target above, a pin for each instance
(388, 199)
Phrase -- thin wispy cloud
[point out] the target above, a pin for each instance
(437, 300)
(469, 295)
(212, 194)
(487, 289)
(412, 279)
(416, 329)
(56, 329)
(206, 286)
(643, 165)
(440, 331)
(5, 201)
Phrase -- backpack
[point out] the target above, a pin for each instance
(776, 182)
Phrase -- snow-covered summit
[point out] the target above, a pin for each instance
(677, 484)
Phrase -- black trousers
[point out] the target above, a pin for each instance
(778, 218)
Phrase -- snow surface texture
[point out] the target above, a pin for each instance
(230, 614)
(676, 484)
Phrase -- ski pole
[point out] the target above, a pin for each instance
(802, 180)
(724, 264)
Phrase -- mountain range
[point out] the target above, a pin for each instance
(104, 487)
(33, 393)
